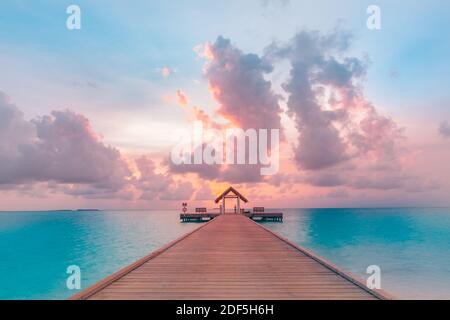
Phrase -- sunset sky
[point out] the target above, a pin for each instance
(87, 116)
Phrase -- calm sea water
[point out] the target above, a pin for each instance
(411, 246)
(37, 247)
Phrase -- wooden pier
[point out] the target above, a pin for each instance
(230, 257)
(202, 214)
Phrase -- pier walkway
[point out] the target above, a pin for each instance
(230, 257)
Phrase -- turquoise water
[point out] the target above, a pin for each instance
(411, 246)
(37, 247)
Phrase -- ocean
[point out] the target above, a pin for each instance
(411, 246)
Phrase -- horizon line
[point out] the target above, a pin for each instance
(172, 209)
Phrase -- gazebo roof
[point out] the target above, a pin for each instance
(226, 192)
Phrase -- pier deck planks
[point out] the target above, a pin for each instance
(230, 257)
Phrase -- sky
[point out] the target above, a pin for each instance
(87, 116)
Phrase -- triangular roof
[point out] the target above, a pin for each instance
(231, 189)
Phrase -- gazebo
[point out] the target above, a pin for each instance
(230, 193)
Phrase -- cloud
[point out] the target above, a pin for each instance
(182, 99)
(325, 179)
(60, 147)
(159, 185)
(205, 171)
(339, 193)
(237, 83)
(204, 193)
(166, 71)
(14, 131)
(381, 183)
(181, 191)
(336, 124)
(63, 150)
(382, 179)
(221, 173)
(246, 99)
(151, 183)
(444, 129)
(343, 141)
(338, 129)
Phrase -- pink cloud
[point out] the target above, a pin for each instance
(63, 150)
(444, 129)
(237, 83)
(159, 185)
(166, 71)
(204, 193)
(60, 147)
(337, 126)
(343, 143)
(343, 140)
(182, 99)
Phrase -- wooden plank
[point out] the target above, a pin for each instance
(231, 257)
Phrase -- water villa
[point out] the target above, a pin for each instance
(231, 257)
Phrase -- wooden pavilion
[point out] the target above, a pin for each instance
(230, 193)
